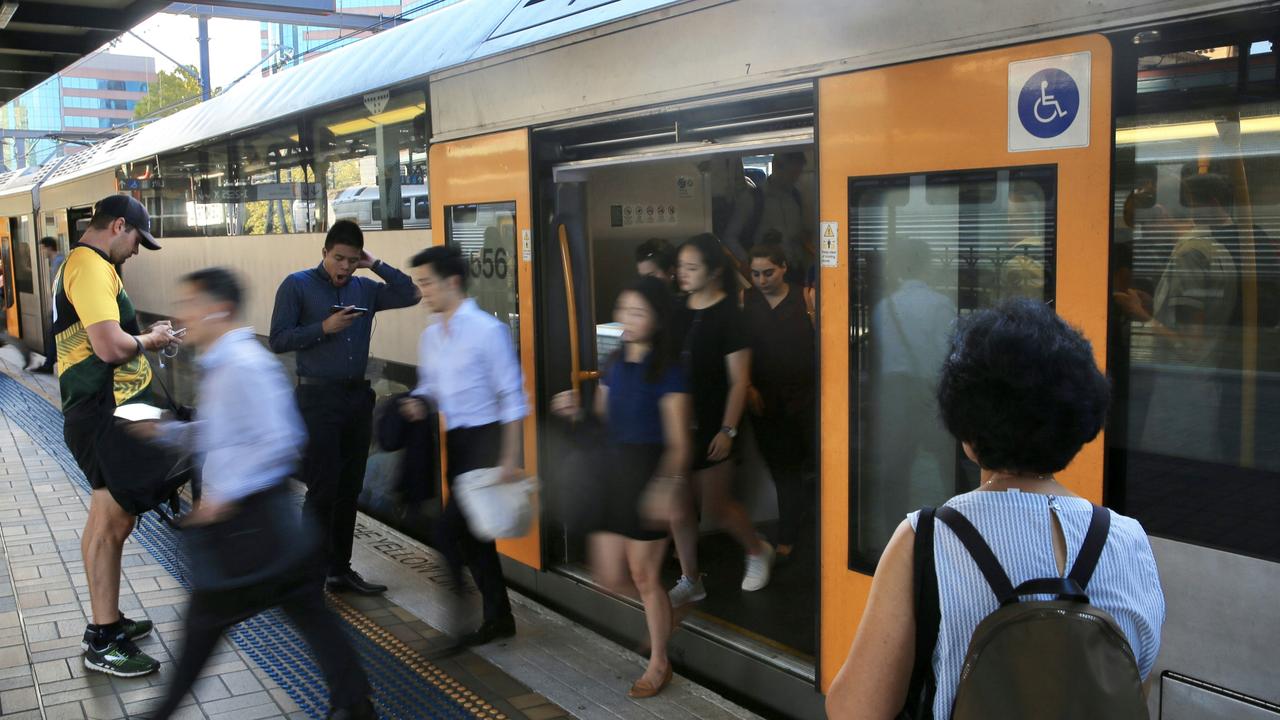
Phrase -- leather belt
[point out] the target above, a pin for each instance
(334, 382)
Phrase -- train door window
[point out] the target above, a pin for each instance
(486, 235)
(421, 209)
(1194, 346)
(927, 249)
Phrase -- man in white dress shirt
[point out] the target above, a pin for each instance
(467, 365)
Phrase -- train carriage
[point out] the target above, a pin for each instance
(1085, 155)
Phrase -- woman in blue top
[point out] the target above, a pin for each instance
(644, 401)
(1021, 392)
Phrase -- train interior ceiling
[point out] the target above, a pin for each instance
(669, 176)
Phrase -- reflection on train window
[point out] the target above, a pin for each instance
(371, 162)
(927, 248)
(23, 277)
(295, 177)
(1195, 341)
(486, 235)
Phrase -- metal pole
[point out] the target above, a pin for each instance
(203, 23)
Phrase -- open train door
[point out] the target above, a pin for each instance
(481, 203)
(9, 291)
(946, 186)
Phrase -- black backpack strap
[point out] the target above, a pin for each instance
(1091, 550)
(1063, 587)
(928, 615)
(981, 553)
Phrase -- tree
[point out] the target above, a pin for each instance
(167, 93)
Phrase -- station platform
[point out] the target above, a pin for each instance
(552, 669)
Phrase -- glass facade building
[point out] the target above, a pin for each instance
(94, 95)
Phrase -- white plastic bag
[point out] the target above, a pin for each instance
(495, 509)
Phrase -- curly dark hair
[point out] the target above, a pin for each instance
(1022, 389)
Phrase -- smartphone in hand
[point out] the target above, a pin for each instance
(344, 308)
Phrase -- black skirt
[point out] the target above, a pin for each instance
(624, 476)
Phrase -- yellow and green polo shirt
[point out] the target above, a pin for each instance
(88, 290)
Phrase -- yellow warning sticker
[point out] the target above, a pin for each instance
(829, 244)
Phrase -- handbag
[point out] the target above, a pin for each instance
(263, 539)
(495, 509)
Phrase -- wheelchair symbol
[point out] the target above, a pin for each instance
(1047, 101)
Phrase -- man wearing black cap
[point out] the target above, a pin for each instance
(100, 367)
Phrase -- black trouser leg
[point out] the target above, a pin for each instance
(323, 632)
(338, 430)
(201, 631)
(470, 449)
(782, 444)
(356, 435)
(50, 349)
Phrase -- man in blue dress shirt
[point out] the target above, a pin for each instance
(333, 394)
(246, 546)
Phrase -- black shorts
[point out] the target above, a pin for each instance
(82, 431)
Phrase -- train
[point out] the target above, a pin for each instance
(1118, 159)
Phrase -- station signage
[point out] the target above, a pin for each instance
(1048, 102)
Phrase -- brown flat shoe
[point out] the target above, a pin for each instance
(643, 689)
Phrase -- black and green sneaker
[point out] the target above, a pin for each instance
(132, 629)
(120, 657)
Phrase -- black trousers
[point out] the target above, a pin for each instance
(786, 444)
(339, 420)
(210, 614)
(470, 449)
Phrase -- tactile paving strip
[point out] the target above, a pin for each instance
(405, 685)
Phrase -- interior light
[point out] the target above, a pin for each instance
(1193, 130)
(388, 117)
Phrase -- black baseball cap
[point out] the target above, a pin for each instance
(133, 213)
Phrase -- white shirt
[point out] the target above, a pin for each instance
(468, 366)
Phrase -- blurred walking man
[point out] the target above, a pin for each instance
(468, 366)
(247, 548)
(325, 315)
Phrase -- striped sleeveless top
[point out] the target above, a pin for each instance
(1017, 527)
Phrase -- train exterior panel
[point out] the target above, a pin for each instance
(901, 113)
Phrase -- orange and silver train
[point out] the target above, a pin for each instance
(1061, 151)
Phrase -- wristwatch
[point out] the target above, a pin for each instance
(729, 430)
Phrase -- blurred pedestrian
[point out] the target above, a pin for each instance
(325, 315)
(102, 366)
(657, 259)
(644, 399)
(51, 254)
(715, 352)
(468, 366)
(248, 549)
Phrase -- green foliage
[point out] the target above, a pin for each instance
(167, 93)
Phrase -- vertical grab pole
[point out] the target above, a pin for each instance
(577, 374)
(571, 305)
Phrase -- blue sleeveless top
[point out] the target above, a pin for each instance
(1017, 527)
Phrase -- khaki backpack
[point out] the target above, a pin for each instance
(1032, 659)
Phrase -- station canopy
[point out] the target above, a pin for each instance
(38, 39)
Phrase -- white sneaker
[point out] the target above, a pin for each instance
(687, 591)
(759, 568)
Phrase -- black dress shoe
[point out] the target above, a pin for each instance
(42, 370)
(491, 630)
(351, 580)
(362, 710)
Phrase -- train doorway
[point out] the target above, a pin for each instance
(617, 199)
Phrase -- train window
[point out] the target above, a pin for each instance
(486, 235)
(926, 249)
(1194, 340)
(371, 159)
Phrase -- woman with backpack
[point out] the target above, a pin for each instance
(1022, 394)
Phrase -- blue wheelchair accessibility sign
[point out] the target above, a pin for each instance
(1049, 102)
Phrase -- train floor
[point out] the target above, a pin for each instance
(553, 668)
(781, 615)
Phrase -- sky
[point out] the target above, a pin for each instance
(234, 45)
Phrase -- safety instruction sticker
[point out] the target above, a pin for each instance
(1049, 102)
(526, 245)
(829, 244)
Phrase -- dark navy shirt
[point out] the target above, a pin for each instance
(635, 415)
(302, 304)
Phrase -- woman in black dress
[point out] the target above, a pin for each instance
(643, 399)
(715, 350)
